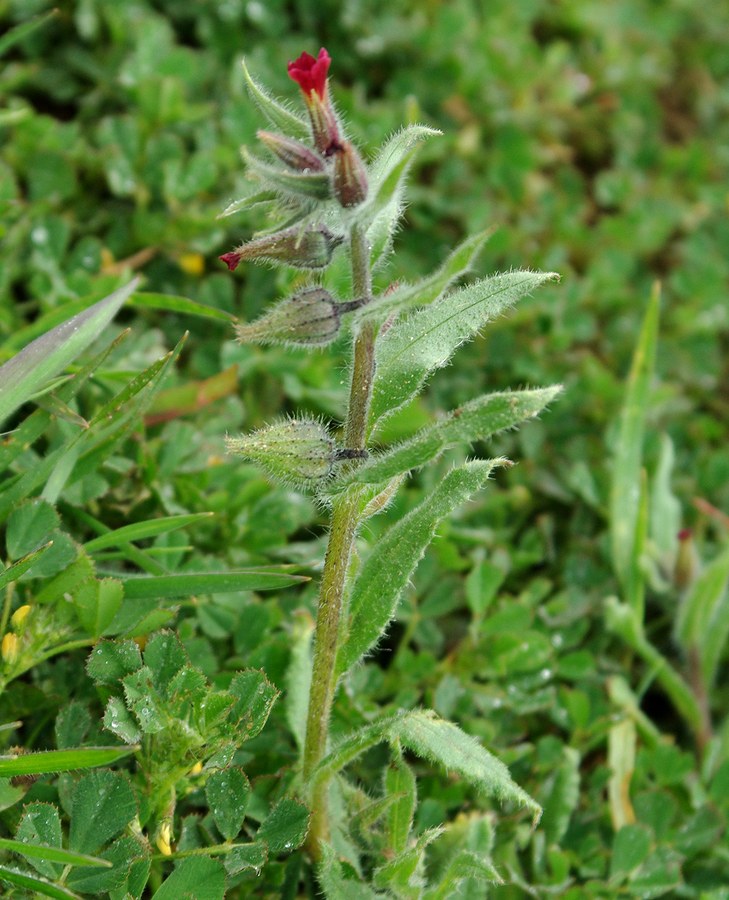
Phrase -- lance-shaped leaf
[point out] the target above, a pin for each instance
(381, 580)
(276, 113)
(439, 741)
(427, 339)
(474, 421)
(428, 289)
(387, 175)
(31, 369)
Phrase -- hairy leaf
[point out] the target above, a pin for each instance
(387, 570)
(426, 340)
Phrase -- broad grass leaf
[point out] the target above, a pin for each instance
(426, 340)
(31, 369)
(625, 495)
(138, 587)
(50, 761)
(473, 421)
(37, 885)
(388, 568)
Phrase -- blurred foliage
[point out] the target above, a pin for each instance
(596, 138)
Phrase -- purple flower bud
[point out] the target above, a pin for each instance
(293, 153)
(302, 248)
(350, 176)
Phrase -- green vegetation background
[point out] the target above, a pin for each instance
(595, 137)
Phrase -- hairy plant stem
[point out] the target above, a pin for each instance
(346, 512)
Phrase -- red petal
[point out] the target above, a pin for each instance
(231, 260)
(309, 73)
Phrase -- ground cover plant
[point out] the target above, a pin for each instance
(160, 595)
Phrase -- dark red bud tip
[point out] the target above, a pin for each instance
(231, 260)
(311, 74)
(684, 534)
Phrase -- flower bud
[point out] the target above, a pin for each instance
(9, 648)
(294, 451)
(293, 153)
(686, 568)
(350, 176)
(164, 838)
(309, 318)
(302, 248)
(19, 616)
(311, 76)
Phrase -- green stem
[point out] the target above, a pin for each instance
(345, 521)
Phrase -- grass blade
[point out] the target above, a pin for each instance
(52, 854)
(141, 530)
(48, 761)
(187, 584)
(29, 370)
(625, 497)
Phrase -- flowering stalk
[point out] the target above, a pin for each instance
(346, 513)
(330, 203)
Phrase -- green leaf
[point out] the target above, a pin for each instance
(388, 568)
(97, 606)
(190, 583)
(702, 625)
(103, 805)
(400, 786)
(40, 824)
(403, 875)
(110, 661)
(36, 884)
(438, 741)
(19, 32)
(35, 852)
(445, 744)
(335, 883)
(14, 572)
(276, 113)
(119, 721)
(121, 856)
(465, 865)
(180, 305)
(165, 656)
(255, 695)
(306, 185)
(387, 175)
(244, 857)
(473, 421)
(423, 292)
(298, 678)
(665, 509)
(252, 199)
(631, 845)
(61, 760)
(198, 877)
(35, 365)
(426, 340)
(628, 459)
(285, 827)
(227, 793)
(562, 796)
(30, 525)
(142, 530)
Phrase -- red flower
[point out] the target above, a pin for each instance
(311, 74)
